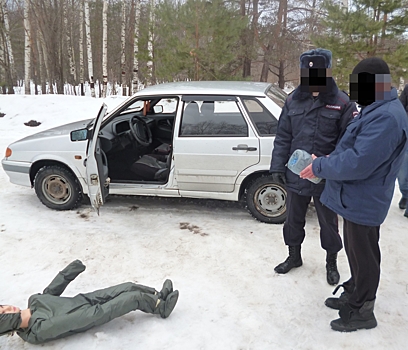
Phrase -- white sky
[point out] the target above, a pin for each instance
(230, 297)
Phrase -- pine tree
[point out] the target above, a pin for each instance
(198, 40)
(368, 28)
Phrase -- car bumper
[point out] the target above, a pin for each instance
(18, 172)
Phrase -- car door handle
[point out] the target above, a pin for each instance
(244, 148)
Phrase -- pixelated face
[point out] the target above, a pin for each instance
(314, 79)
(366, 88)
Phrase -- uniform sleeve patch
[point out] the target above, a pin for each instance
(355, 114)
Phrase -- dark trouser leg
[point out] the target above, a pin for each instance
(363, 253)
(330, 239)
(102, 296)
(294, 227)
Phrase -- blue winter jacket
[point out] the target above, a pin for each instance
(360, 173)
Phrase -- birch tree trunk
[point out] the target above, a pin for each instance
(27, 48)
(135, 80)
(89, 48)
(105, 47)
(149, 78)
(81, 48)
(123, 56)
(8, 48)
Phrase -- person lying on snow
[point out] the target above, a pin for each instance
(50, 316)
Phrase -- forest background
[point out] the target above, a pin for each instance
(65, 46)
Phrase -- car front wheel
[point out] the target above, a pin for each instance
(57, 188)
(266, 200)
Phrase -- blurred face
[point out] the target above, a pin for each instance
(9, 309)
(314, 79)
(366, 88)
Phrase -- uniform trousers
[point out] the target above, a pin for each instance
(294, 227)
(364, 257)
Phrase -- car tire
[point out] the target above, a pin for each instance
(266, 200)
(57, 188)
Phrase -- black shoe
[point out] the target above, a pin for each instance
(293, 260)
(166, 289)
(403, 203)
(166, 307)
(353, 319)
(338, 303)
(406, 214)
(332, 274)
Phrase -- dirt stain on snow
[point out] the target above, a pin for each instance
(192, 228)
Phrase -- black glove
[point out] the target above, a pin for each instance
(279, 178)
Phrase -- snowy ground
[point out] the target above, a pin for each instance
(230, 297)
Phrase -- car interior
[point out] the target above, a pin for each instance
(137, 140)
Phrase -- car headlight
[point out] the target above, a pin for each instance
(8, 152)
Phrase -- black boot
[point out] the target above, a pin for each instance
(352, 319)
(293, 260)
(403, 203)
(337, 303)
(332, 274)
(165, 307)
(166, 289)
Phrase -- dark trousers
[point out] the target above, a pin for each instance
(364, 257)
(294, 227)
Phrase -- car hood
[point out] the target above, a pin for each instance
(58, 131)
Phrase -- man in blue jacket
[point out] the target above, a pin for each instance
(313, 118)
(360, 178)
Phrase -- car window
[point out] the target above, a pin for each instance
(166, 105)
(265, 123)
(277, 95)
(152, 106)
(212, 118)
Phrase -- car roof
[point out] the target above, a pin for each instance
(243, 88)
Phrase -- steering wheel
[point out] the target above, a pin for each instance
(140, 131)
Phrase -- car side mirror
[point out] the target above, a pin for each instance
(79, 135)
(158, 109)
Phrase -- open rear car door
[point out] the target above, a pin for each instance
(97, 166)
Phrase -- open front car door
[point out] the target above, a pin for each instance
(97, 166)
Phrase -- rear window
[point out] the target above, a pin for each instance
(265, 123)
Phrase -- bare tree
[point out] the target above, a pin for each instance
(105, 47)
(27, 48)
(135, 80)
(149, 78)
(8, 52)
(123, 47)
(72, 69)
(81, 47)
(89, 48)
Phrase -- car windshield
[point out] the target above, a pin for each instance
(277, 95)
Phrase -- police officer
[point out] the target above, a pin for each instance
(313, 118)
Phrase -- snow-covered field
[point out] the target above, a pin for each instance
(230, 297)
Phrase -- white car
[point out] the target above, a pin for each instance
(209, 140)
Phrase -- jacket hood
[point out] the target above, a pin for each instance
(9, 323)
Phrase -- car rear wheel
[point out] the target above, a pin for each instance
(266, 200)
(57, 188)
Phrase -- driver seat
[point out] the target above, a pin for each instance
(152, 167)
